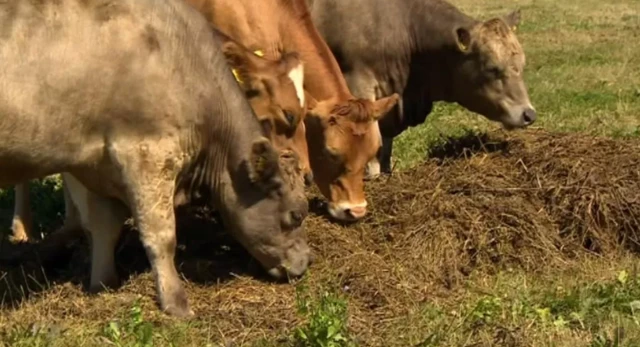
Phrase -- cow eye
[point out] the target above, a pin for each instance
(331, 153)
(495, 72)
(290, 117)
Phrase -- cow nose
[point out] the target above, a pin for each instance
(529, 116)
(296, 218)
(308, 179)
(356, 212)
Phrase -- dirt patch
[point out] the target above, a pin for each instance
(528, 200)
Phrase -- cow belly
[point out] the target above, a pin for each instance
(104, 181)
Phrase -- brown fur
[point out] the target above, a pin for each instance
(280, 26)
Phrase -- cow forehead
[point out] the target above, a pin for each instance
(499, 43)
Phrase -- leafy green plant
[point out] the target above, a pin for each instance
(326, 320)
(134, 331)
(33, 335)
(486, 310)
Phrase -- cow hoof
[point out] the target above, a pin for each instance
(180, 312)
(110, 283)
(177, 305)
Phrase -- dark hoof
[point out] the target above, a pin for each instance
(111, 283)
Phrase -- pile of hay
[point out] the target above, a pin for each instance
(479, 204)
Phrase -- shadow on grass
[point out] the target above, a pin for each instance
(205, 254)
(455, 147)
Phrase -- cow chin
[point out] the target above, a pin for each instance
(295, 269)
(518, 117)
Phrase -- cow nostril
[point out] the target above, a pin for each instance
(356, 212)
(529, 116)
(297, 217)
(308, 179)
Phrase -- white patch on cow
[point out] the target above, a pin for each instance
(297, 76)
(342, 210)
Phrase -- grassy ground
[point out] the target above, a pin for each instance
(583, 73)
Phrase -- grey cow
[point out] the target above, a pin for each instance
(426, 51)
(133, 101)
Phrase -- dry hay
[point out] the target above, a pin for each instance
(525, 200)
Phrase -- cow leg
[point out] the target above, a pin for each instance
(372, 170)
(103, 219)
(150, 183)
(385, 154)
(21, 225)
(72, 221)
(154, 214)
(382, 162)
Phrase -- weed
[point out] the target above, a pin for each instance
(327, 320)
(134, 332)
(33, 335)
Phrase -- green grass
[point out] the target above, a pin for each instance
(583, 73)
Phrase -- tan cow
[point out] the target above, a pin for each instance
(140, 104)
(273, 88)
(342, 130)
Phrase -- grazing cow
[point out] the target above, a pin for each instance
(140, 103)
(426, 51)
(272, 90)
(342, 131)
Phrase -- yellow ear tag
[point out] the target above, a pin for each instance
(258, 53)
(462, 46)
(236, 75)
(513, 28)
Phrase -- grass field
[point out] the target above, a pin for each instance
(583, 73)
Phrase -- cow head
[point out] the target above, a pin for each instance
(266, 218)
(488, 78)
(274, 91)
(343, 137)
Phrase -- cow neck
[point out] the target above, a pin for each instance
(322, 76)
(221, 142)
(433, 34)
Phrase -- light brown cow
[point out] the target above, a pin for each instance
(141, 103)
(272, 88)
(342, 130)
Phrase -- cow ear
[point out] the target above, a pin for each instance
(243, 62)
(264, 170)
(513, 19)
(463, 39)
(382, 106)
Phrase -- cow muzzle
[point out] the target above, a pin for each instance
(296, 264)
(519, 117)
(348, 212)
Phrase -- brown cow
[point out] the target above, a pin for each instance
(342, 130)
(426, 51)
(141, 103)
(273, 88)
